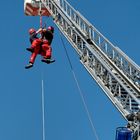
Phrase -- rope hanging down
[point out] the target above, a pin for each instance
(40, 13)
(43, 111)
(80, 91)
(40, 21)
(42, 87)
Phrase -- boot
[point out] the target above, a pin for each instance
(48, 60)
(29, 66)
(30, 49)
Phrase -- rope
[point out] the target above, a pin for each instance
(80, 91)
(40, 21)
(42, 86)
(40, 12)
(43, 111)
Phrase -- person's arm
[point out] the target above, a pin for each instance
(39, 30)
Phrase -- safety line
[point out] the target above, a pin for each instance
(43, 110)
(80, 91)
(40, 13)
(42, 85)
(43, 103)
(40, 21)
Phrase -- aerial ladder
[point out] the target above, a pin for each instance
(116, 74)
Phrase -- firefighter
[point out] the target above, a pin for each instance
(46, 50)
(35, 46)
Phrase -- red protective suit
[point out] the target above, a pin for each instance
(46, 50)
(40, 46)
(47, 37)
(36, 45)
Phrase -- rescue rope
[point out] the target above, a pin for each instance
(43, 110)
(42, 86)
(40, 21)
(80, 91)
(40, 14)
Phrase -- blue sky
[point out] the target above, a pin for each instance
(65, 116)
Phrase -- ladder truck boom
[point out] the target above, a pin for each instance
(111, 68)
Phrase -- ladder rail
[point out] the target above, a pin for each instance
(124, 107)
(121, 60)
(92, 71)
(90, 25)
(85, 49)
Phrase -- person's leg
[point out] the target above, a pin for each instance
(35, 43)
(47, 54)
(33, 57)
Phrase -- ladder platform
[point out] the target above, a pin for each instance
(32, 7)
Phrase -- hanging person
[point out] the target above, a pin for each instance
(35, 46)
(46, 49)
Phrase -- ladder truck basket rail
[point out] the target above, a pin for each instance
(92, 35)
(32, 7)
